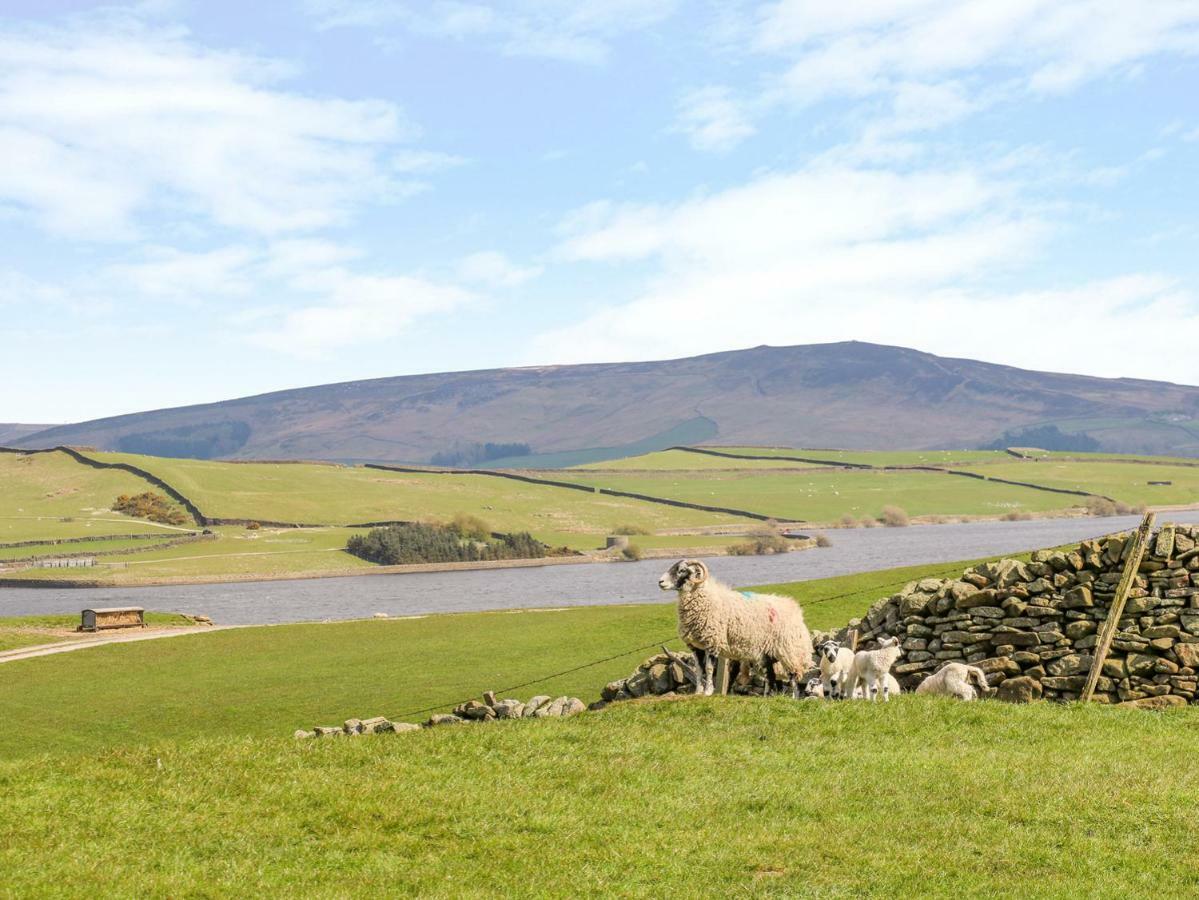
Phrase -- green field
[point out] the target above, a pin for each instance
(949, 458)
(1127, 482)
(312, 493)
(681, 460)
(185, 762)
(825, 496)
(49, 495)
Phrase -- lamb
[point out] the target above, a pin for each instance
(836, 664)
(715, 620)
(953, 680)
(891, 683)
(871, 667)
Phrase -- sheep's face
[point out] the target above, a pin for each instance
(683, 573)
(888, 642)
(829, 650)
(814, 688)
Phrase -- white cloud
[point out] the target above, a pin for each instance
(356, 309)
(553, 29)
(837, 252)
(493, 269)
(713, 119)
(1049, 45)
(105, 121)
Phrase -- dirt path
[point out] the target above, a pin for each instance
(100, 640)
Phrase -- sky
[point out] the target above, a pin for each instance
(206, 200)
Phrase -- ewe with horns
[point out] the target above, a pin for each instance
(715, 620)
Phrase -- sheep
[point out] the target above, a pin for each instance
(836, 663)
(814, 689)
(953, 680)
(715, 620)
(870, 668)
(891, 684)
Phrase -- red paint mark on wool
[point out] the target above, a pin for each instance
(774, 615)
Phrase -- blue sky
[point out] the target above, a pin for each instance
(206, 200)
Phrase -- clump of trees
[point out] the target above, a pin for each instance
(459, 541)
(152, 506)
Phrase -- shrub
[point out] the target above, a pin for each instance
(152, 506)
(1099, 506)
(848, 521)
(894, 517)
(470, 527)
(629, 529)
(1017, 515)
(417, 542)
(823, 540)
(631, 552)
(868, 522)
(762, 542)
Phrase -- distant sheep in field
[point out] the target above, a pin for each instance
(836, 668)
(954, 680)
(715, 620)
(871, 667)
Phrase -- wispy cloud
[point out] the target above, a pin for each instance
(492, 269)
(552, 29)
(713, 119)
(105, 122)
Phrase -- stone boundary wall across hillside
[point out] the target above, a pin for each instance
(1036, 624)
(141, 536)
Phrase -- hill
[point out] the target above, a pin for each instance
(11, 432)
(852, 395)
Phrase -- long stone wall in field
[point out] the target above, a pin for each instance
(1033, 627)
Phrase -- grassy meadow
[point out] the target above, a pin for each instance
(1123, 481)
(819, 495)
(318, 493)
(50, 496)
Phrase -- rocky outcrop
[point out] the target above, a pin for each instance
(1036, 624)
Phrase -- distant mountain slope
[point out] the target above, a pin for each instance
(11, 432)
(852, 395)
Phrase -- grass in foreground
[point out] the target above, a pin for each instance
(272, 680)
(719, 796)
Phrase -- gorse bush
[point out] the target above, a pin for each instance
(632, 552)
(762, 542)
(417, 542)
(894, 517)
(629, 529)
(152, 506)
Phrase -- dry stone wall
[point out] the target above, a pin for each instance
(1033, 627)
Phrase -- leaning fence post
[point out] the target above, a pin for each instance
(1104, 645)
(722, 675)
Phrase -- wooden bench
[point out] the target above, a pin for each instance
(113, 617)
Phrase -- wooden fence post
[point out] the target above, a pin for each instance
(1104, 645)
(722, 675)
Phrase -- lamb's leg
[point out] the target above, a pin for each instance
(886, 690)
(794, 684)
(874, 685)
(709, 673)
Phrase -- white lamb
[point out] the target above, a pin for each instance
(954, 680)
(715, 620)
(871, 667)
(836, 667)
